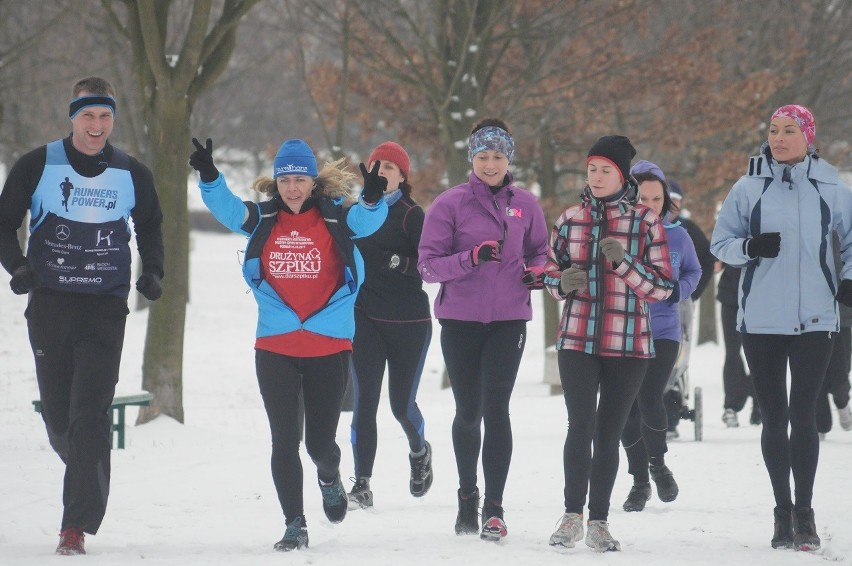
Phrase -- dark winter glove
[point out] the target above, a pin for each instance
(844, 293)
(613, 250)
(573, 279)
(534, 277)
(767, 244)
(675, 296)
(23, 279)
(374, 184)
(149, 285)
(202, 161)
(486, 251)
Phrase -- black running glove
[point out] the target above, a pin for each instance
(202, 161)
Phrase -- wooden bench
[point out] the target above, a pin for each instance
(117, 413)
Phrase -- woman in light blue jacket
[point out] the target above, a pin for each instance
(777, 224)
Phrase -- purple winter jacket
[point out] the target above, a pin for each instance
(686, 272)
(460, 219)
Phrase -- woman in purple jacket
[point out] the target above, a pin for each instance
(485, 242)
(644, 435)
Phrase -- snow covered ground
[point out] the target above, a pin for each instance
(201, 493)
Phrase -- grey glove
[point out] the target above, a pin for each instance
(613, 250)
(573, 279)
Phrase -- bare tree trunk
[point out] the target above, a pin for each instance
(163, 357)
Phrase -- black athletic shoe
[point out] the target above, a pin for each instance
(334, 500)
(421, 472)
(804, 530)
(667, 489)
(296, 536)
(783, 536)
(639, 494)
(467, 521)
(361, 497)
(493, 526)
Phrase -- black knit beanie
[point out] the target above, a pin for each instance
(617, 150)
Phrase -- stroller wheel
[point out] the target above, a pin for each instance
(699, 415)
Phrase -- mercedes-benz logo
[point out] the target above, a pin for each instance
(63, 232)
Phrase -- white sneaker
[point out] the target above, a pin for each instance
(844, 415)
(599, 539)
(569, 532)
(821, 435)
(729, 417)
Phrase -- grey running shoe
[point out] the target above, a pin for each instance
(361, 497)
(421, 472)
(334, 500)
(296, 536)
(729, 417)
(569, 531)
(598, 537)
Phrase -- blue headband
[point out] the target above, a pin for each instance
(90, 100)
(491, 137)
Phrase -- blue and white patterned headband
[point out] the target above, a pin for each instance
(491, 137)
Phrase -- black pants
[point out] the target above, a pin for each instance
(482, 362)
(322, 381)
(767, 356)
(402, 346)
(77, 341)
(735, 379)
(836, 379)
(645, 431)
(593, 420)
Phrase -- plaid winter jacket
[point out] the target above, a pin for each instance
(609, 317)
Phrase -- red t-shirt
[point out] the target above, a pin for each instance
(301, 263)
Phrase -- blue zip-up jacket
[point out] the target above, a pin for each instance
(255, 220)
(794, 292)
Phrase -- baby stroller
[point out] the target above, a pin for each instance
(676, 393)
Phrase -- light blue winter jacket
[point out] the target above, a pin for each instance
(794, 292)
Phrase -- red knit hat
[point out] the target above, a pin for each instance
(393, 152)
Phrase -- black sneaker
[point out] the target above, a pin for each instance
(639, 494)
(421, 472)
(334, 500)
(667, 489)
(783, 536)
(804, 530)
(493, 526)
(296, 536)
(361, 497)
(467, 521)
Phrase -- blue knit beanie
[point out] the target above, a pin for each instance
(294, 157)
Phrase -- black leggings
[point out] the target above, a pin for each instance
(836, 379)
(735, 378)
(77, 343)
(482, 362)
(601, 421)
(322, 381)
(402, 346)
(767, 356)
(644, 433)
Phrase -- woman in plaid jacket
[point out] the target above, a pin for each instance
(608, 258)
